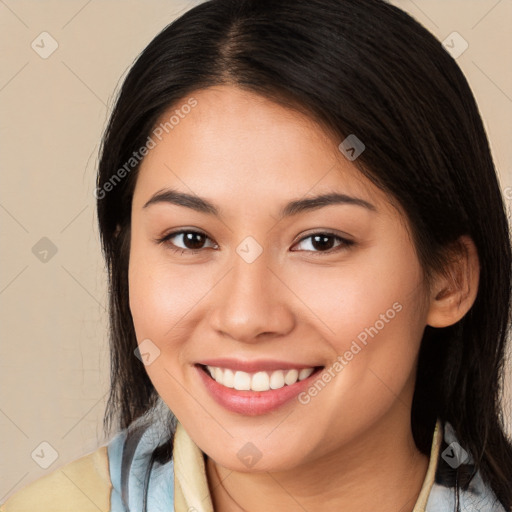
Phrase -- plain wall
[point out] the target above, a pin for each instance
(54, 353)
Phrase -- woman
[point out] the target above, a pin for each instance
(309, 265)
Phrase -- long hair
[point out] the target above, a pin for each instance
(360, 67)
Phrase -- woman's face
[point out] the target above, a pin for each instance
(272, 283)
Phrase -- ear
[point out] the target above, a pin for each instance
(454, 289)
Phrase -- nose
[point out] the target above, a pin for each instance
(251, 303)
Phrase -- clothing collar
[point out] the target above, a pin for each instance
(191, 490)
(140, 483)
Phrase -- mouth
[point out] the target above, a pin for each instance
(257, 381)
(258, 391)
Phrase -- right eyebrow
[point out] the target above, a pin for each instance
(183, 199)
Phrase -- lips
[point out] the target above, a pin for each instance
(254, 387)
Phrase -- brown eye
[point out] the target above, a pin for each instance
(324, 242)
(193, 240)
(184, 241)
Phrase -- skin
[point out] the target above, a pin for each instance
(351, 446)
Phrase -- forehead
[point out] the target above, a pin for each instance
(234, 143)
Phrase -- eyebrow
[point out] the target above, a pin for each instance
(292, 208)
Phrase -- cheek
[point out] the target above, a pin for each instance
(372, 316)
(347, 299)
(161, 298)
(161, 294)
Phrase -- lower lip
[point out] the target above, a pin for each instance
(253, 403)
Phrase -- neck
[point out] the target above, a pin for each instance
(381, 470)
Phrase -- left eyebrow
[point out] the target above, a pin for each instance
(202, 205)
(313, 203)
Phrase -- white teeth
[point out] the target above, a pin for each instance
(228, 379)
(217, 373)
(291, 377)
(305, 373)
(259, 381)
(277, 380)
(242, 381)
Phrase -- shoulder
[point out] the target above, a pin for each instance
(83, 484)
(124, 474)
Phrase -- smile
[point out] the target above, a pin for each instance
(254, 388)
(258, 381)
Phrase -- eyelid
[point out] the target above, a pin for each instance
(325, 231)
(346, 242)
(165, 239)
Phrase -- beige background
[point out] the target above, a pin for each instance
(54, 354)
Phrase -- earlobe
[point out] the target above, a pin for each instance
(454, 290)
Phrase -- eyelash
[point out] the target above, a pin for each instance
(344, 243)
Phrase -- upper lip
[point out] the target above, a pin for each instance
(254, 365)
